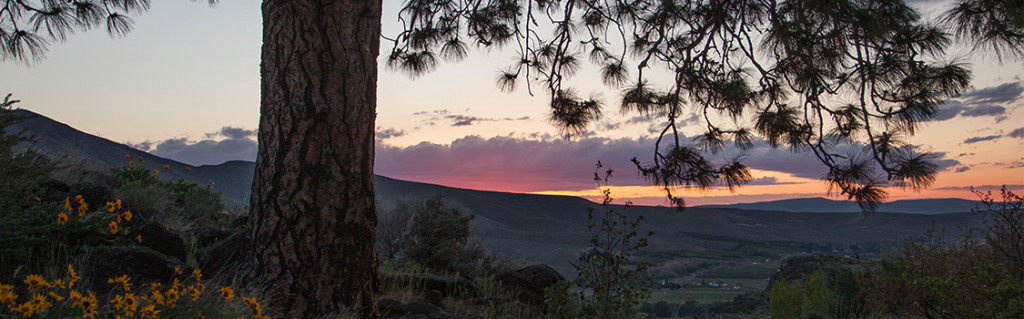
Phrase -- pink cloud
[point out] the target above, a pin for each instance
(512, 164)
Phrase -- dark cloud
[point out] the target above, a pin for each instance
(976, 139)
(948, 110)
(231, 132)
(389, 133)
(767, 180)
(1018, 133)
(984, 110)
(234, 144)
(432, 117)
(983, 102)
(1004, 93)
(962, 169)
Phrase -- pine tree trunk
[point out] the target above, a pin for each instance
(313, 215)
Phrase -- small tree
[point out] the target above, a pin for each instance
(609, 284)
(437, 237)
(787, 300)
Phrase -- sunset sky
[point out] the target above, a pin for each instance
(185, 85)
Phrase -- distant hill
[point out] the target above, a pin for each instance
(546, 228)
(825, 205)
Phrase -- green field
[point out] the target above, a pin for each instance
(753, 271)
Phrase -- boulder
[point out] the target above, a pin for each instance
(218, 257)
(95, 194)
(53, 191)
(434, 297)
(154, 235)
(141, 264)
(530, 282)
(390, 308)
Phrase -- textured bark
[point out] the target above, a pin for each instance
(313, 216)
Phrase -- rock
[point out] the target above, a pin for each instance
(434, 297)
(95, 194)
(422, 308)
(218, 257)
(530, 282)
(390, 308)
(159, 238)
(53, 191)
(141, 264)
(208, 235)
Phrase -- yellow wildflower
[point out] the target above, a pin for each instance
(126, 303)
(118, 204)
(82, 206)
(138, 238)
(198, 274)
(128, 216)
(131, 163)
(35, 282)
(7, 295)
(192, 290)
(149, 312)
(74, 276)
(188, 169)
(55, 296)
(67, 204)
(123, 280)
(26, 309)
(59, 283)
(226, 293)
(37, 198)
(111, 207)
(62, 218)
(167, 166)
(76, 298)
(171, 296)
(89, 304)
(156, 172)
(37, 304)
(156, 296)
(113, 227)
(177, 270)
(130, 304)
(128, 156)
(251, 303)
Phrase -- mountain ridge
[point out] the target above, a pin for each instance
(549, 229)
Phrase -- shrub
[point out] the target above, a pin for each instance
(787, 300)
(978, 275)
(437, 237)
(609, 284)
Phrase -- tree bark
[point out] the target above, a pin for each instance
(313, 214)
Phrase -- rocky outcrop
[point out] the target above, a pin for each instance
(154, 235)
(141, 264)
(529, 282)
(220, 256)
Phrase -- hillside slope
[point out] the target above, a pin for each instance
(539, 228)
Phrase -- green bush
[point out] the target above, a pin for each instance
(787, 300)
(34, 234)
(437, 237)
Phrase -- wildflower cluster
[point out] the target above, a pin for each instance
(42, 295)
(81, 208)
(60, 298)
